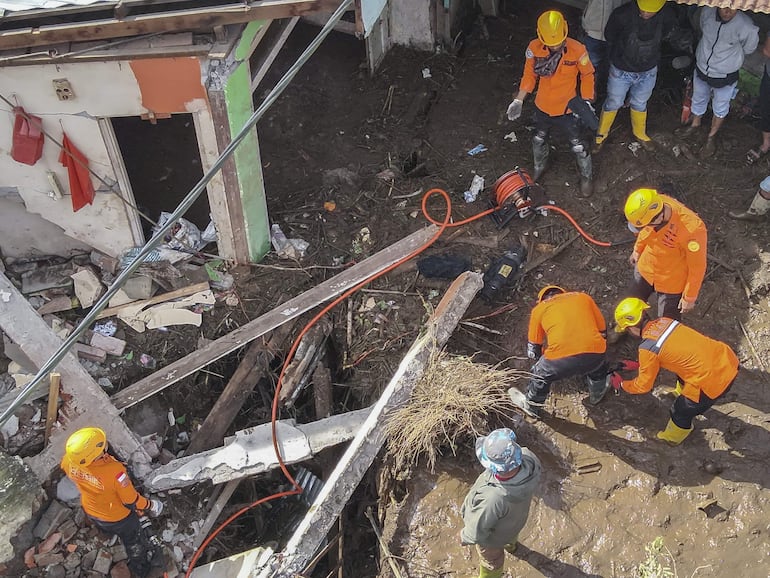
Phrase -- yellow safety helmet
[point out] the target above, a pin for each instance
(629, 313)
(650, 5)
(547, 289)
(85, 445)
(551, 28)
(642, 206)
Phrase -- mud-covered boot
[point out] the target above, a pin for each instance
(586, 171)
(674, 434)
(757, 210)
(597, 389)
(540, 152)
(487, 573)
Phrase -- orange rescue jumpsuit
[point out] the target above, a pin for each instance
(673, 259)
(704, 365)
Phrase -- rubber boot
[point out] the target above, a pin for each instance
(521, 401)
(756, 212)
(487, 573)
(586, 174)
(677, 389)
(674, 434)
(606, 118)
(597, 389)
(540, 152)
(639, 128)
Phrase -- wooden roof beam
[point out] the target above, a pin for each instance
(178, 20)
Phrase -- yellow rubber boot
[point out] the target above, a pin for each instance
(678, 389)
(674, 434)
(487, 573)
(639, 125)
(606, 118)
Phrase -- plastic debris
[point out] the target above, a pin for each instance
(147, 361)
(287, 248)
(183, 236)
(511, 136)
(330, 206)
(5, 296)
(478, 149)
(634, 147)
(426, 73)
(477, 185)
(107, 328)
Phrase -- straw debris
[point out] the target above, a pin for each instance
(454, 398)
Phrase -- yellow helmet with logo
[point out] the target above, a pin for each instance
(548, 289)
(642, 206)
(650, 5)
(85, 445)
(551, 28)
(629, 313)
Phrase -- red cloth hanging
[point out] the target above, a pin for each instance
(81, 188)
(28, 138)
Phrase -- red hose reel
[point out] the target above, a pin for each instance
(513, 194)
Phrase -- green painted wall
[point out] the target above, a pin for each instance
(248, 163)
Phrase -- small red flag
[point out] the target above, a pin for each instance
(81, 188)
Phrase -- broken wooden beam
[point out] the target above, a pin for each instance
(87, 404)
(250, 451)
(361, 452)
(295, 307)
(309, 351)
(253, 366)
(219, 505)
(183, 292)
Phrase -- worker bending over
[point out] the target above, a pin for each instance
(574, 332)
(669, 256)
(705, 368)
(107, 495)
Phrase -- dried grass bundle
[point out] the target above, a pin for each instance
(454, 398)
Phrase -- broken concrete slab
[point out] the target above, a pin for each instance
(51, 519)
(90, 353)
(58, 304)
(230, 567)
(112, 345)
(88, 286)
(51, 277)
(251, 451)
(20, 500)
(15, 354)
(103, 562)
(138, 287)
(104, 262)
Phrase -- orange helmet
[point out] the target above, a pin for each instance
(551, 28)
(85, 445)
(548, 289)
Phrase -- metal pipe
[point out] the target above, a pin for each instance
(196, 191)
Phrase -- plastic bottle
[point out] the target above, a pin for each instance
(277, 238)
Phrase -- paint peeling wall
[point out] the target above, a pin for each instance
(105, 89)
(411, 23)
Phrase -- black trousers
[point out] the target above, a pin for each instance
(684, 409)
(566, 123)
(134, 541)
(547, 371)
(668, 303)
(764, 102)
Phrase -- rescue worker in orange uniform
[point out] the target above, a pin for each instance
(554, 63)
(107, 495)
(669, 255)
(575, 334)
(705, 368)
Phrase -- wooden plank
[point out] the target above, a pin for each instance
(278, 32)
(215, 511)
(251, 369)
(53, 404)
(113, 54)
(173, 21)
(183, 292)
(293, 308)
(87, 403)
(363, 449)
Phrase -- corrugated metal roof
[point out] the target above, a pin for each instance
(745, 5)
(19, 5)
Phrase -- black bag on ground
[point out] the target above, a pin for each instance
(443, 266)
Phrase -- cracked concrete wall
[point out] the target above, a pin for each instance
(101, 89)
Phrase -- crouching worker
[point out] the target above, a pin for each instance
(705, 368)
(575, 332)
(497, 506)
(107, 495)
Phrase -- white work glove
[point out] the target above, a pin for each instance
(156, 507)
(514, 109)
(534, 351)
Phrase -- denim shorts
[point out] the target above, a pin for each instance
(720, 98)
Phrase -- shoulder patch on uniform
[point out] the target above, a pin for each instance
(122, 478)
(584, 59)
(529, 53)
(693, 246)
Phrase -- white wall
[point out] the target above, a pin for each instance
(411, 23)
(101, 89)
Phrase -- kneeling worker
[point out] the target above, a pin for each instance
(575, 332)
(706, 368)
(107, 495)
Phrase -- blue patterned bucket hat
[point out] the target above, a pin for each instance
(499, 452)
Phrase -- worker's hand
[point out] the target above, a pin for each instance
(615, 381)
(534, 351)
(156, 507)
(628, 365)
(514, 109)
(685, 305)
(633, 258)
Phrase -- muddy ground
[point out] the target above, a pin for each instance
(368, 145)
